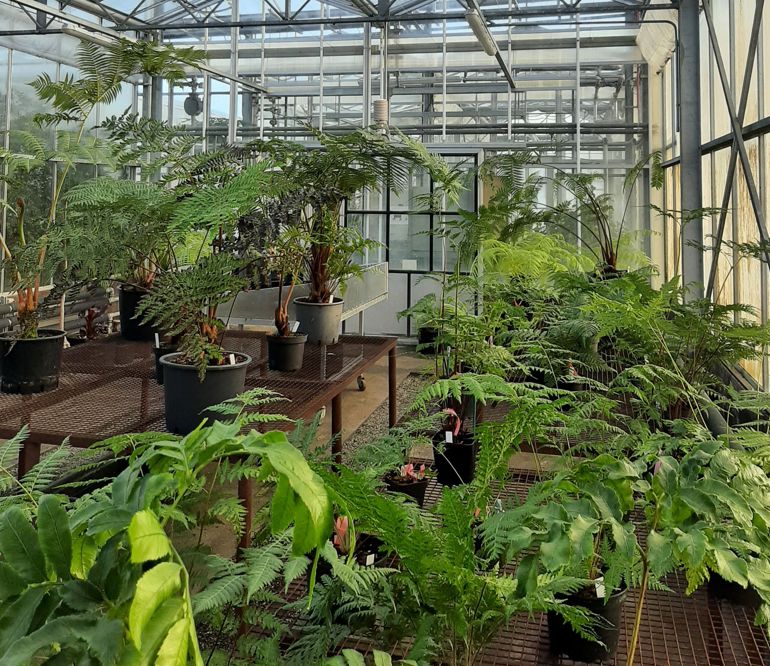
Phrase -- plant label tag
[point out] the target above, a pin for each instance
(370, 560)
(448, 437)
(294, 327)
(331, 298)
(232, 359)
(157, 341)
(600, 591)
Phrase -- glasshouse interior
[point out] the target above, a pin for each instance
(384, 332)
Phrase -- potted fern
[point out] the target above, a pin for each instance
(33, 248)
(285, 257)
(201, 373)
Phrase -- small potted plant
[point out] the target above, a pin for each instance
(92, 327)
(424, 314)
(201, 373)
(285, 257)
(409, 480)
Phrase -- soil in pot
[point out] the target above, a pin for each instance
(31, 365)
(319, 321)
(414, 488)
(132, 328)
(719, 588)
(159, 352)
(455, 462)
(286, 353)
(565, 640)
(188, 399)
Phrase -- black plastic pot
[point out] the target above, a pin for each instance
(159, 352)
(455, 463)
(414, 488)
(286, 353)
(426, 337)
(31, 365)
(131, 328)
(719, 588)
(188, 398)
(565, 640)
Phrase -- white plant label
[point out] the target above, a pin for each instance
(157, 341)
(331, 298)
(370, 560)
(232, 359)
(294, 327)
(600, 591)
(448, 437)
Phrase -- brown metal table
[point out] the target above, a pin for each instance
(108, 388)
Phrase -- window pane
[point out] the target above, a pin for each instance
(409, 242)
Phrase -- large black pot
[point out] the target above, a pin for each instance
(456, 464)
(320, 321)
(565, 640)
(286, 353)
(188, 398)
(719, 588)
(414, 488)
(31, 365)
(131, 328)
(426, 338)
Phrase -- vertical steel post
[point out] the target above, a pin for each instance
(691, 179)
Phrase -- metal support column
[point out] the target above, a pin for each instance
(690, 177)
(730, 178)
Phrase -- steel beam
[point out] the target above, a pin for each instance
(736, 124)
(690, 176)
(745, 88)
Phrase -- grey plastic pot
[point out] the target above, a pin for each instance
(320, 321)
(188, 398)
(31, 365)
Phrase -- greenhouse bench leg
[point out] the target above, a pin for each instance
(29, 456)
(392, 386)
(337, 428)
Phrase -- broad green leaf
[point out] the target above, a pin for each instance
(148, 540)
(17, 617)
(555, 552)
(153, 588)
(692, 545)
(729, 498)
(731, 567)
(81, 595)
(581, 537)
(381, 658)
(526, 576)
(11, 584)
(283, 506)
(288, 461)
(104, 638)
(168, 613)
(698, 501)
(173, 651)
(20, 547)
(353, 658)
(606, 500)
(659, 553)
(84, 552)
(58, 631)
(54, 535)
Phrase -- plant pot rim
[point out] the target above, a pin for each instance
(291, 339)
(136, 288)
(168, 360)
(47, 334)
(461, 439)
(304, 300)
(575, 598)
(392, 477)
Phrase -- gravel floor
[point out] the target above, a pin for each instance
(377, 423)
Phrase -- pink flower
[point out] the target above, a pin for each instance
(341, 534)
(453, 415)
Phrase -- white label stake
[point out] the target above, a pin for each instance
(600, 590)
(294, 327)
(232, 359)
(331, 298)
(448, 437)
(157, 341)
